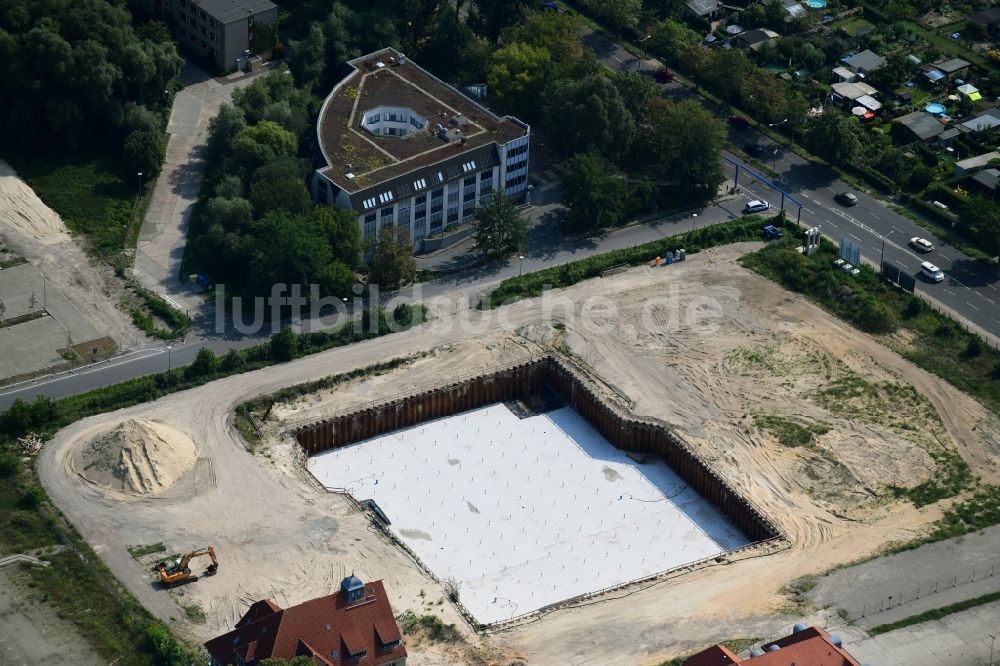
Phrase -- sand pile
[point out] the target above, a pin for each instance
(137, 457)
(21, 209)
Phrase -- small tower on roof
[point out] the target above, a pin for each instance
(353, 588)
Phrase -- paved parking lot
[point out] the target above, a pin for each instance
(33, 345)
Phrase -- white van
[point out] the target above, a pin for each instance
(931, 272)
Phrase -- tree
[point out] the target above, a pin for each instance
(589, 115)
(595, 197)
(233, 214)
(754, 16)
(223, 128)
(685, 140)
(671, 39)
(144, 151)
(621, 14)
(834, 136)
(284, 345)
(774, 15)
(500, 229)
(490, 17)
(392, 264)
(559, 34)
(725, 72)
(635, 90)
(340, 229)
(306, 59)
(205, 363)
(982, 217)
(262, 143)
(517, 75)
(280, 185)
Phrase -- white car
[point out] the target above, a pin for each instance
(756, 206)
(931, 272)
(921, 244)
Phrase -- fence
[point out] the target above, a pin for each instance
(907, 595)
(517, 381)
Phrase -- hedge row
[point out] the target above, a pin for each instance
(565, 275)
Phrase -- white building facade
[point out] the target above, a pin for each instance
(432, 154)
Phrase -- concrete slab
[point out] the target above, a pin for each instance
(523, 513)
(30, 346)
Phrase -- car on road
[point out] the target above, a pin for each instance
(921, 244)
(756, 206)
(739, 121)
(847, 199)
(754, 149)
(663, 75)
(931, 272)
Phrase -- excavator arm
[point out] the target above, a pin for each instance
(179, 571)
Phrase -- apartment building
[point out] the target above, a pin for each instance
(221, 30)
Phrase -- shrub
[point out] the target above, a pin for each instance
(974, 348)
(32, 498)
(10, 465)
(284, 344)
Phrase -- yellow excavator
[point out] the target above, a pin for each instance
(178, 570)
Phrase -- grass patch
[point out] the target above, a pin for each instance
(193, 612)
(789, 433)
(952, 476)
(935, 613)
(533, 284)
(88, 193)
(154, 308)
(431, 625)
(141, 551)
(76, 584)
(935, 343)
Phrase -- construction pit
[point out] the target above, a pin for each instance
(719, 356)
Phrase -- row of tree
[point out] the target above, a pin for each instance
(257, 224)
(78, 75)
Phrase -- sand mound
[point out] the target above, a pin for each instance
(21, 209)
(137, 457)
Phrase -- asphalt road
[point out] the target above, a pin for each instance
(970, 291)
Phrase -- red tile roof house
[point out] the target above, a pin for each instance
(806, 646)
(353, 626)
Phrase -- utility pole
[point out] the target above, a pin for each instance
(881, 261)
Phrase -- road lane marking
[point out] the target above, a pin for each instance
(71, 373)
(853, 236)
(972, 306)
(894, 228)
(949, 291)
(876, 216)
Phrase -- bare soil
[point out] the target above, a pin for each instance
(703, 345)
(32, 230)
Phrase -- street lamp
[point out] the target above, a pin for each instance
(992, 640)
(694, 220)
(169, 347)
(139, 193)
(777, 126)
(520, 265)
(642, 50)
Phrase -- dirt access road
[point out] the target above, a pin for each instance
(703, 345)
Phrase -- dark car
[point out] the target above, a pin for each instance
(664, 75)
(754, 149)
(847, 199)
(739, 121)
